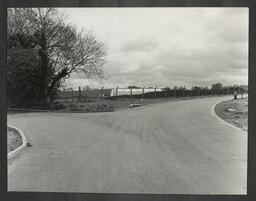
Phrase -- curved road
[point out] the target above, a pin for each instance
(173, 147)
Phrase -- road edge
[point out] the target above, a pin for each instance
(20, 148)
(222, 120)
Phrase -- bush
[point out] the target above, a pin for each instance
(56, 106)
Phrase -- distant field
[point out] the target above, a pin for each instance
(234, 112)
(102, 105)
(107, 105)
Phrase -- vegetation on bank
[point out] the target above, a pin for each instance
(108, 105)
(234, 112)
(14, 139)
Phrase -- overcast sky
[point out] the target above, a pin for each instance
(168, 46)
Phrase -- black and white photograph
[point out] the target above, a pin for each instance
(137, 100)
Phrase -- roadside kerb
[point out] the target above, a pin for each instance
(20, 148)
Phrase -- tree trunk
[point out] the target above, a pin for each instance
(55, 80)
(43, 69)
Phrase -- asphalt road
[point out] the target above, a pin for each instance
(174, 147)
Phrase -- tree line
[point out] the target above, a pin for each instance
(215, 89)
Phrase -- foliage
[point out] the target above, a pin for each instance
(167, 89)
(49, 50)
(22, 68)
(133, 87)
(217, 86)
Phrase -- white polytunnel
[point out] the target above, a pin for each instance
(123, 92)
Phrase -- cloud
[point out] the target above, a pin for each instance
(174, 46)
(139, 44)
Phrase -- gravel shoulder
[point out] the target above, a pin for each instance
(14, 139)
(234, 112)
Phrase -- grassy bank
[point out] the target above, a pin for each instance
(107, 105)
(234, 112)
(104, 105)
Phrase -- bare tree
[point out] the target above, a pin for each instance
(61, 48)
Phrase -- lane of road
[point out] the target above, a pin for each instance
(173, 147)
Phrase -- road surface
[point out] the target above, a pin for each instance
(173, 147)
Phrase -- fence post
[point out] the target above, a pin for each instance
(72, 94)
(102, 93)
(130, 92)
(143, 92)
(235, 95)
(155, 92)
(65, 96)
(117, 91)
(78, 100)
(227, 92)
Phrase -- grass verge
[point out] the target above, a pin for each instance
(107, 105)
(234, 112)
(14, 139)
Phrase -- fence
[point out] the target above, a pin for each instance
(141, 93)
(133, 91)
(70, 95)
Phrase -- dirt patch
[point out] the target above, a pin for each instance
(234, 112)
(14, 139)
